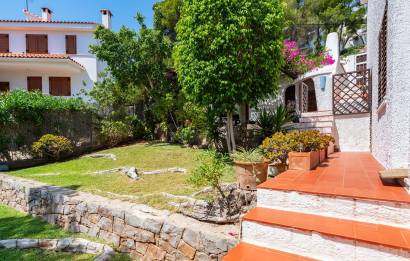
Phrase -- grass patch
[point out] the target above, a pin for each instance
(80, 173)
(38, 254)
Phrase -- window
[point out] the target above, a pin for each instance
(383, 59)
(60, 86)
(4, 43)
(4, 86)
(71, 44)
(36, 43)
(34, 84)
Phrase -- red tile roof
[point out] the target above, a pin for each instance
(37, 56)
(46, 22)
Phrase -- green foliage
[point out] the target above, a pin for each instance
(138, 127)
(305, 141)
(271, 122)
(52, 147)
(166, 16)
(229, 52)
(250, 155)
(326, 139)
(20, 105)
(346, 17)
(185, 135)
(115, 131)
(210, 171)
(277, 147)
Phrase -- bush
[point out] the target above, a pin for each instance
(326, 139)
(138, 127)
(273, 121)
(251, 155)
(185, 135)
(305, 141)
(52, 147)
(115, 131)
(277, 147)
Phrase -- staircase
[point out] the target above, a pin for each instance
(322, 121)
(331, 213)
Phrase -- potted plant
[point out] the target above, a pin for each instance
(329, 144)
(276, 149)
(251, 168)
(305, 149)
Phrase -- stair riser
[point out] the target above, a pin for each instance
(378, 212)
(316, 245)
(317, 119)
(325, 130)
(319, 124)
(317, 114)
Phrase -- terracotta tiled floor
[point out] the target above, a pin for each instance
(353, 230)
(351, 174)
(247, 252)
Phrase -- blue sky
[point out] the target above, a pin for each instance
(82, 10)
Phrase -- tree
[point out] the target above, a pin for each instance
(308, 18)
(229, 52)
(166, 16)
(137, 63)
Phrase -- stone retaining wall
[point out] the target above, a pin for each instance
(142, 231)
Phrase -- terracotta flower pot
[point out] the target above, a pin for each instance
(304, 160)
(251, 174)
(322, 155)
(331, 148)
(275, 169)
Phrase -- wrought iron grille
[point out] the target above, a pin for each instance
(304, 97)
(351, 92)
(383, 59)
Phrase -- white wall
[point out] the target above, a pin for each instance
(352, 132)
(390, 125)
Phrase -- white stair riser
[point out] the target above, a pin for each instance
(317, 113)
(316, 245)
(317, 119)
(370, 211)
(319, 124)
(325, 130)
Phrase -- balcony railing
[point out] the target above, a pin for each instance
(351, 92)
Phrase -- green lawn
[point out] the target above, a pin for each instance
(80, 173)
(16, 225)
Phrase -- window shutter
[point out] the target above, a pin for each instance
(4, 43)
(71, 44)
(60, 86)
(34, 84)
(37, 43)
(4, 86)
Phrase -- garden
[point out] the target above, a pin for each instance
(167, 130)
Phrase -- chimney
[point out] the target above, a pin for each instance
(106, 18)
(46, 14)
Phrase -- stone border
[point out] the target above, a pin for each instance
(143, 232)
(72, 245)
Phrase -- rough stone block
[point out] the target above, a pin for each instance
(12, 243)
(186, 249)
(171, 233)
(47, 244)
(138, 234)
(141, 248)
(154, 253)
(127, 245)
(144, 221)
(110, 237)
(105, 224)
(119, 225)
(27, 243)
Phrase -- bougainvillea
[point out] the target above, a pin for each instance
(298, 62)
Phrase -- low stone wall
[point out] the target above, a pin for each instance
(142, 231)
(73, 245)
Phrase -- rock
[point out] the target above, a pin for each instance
(203, 257)
(191, 237)
(110, 237)
(12, 243)
(131, 173)
(96, 156)
(154, 253)
(94, 248)
(62, 244)
(47, 244)
(105, 224)
(119, 225)
(186, 249)
(171, 233)
(144, 221)
(78, 246)
(127, 245)
(27, 243)
(141, 248)
(138, 234)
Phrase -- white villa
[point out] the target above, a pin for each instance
(343, 210)
(40, 53)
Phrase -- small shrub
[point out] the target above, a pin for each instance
(52, 147)
(277, 147)
(138, 127)
(271, 122)
(210, 171)
(185, 135)
(326, 139)
(115, 131)
(251, 155)
(305, 141)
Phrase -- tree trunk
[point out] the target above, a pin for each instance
(231, 132)
(228, 135)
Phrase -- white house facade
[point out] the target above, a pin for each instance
(50, 56)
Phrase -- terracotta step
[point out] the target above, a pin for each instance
(248, 252)
(324, 238)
